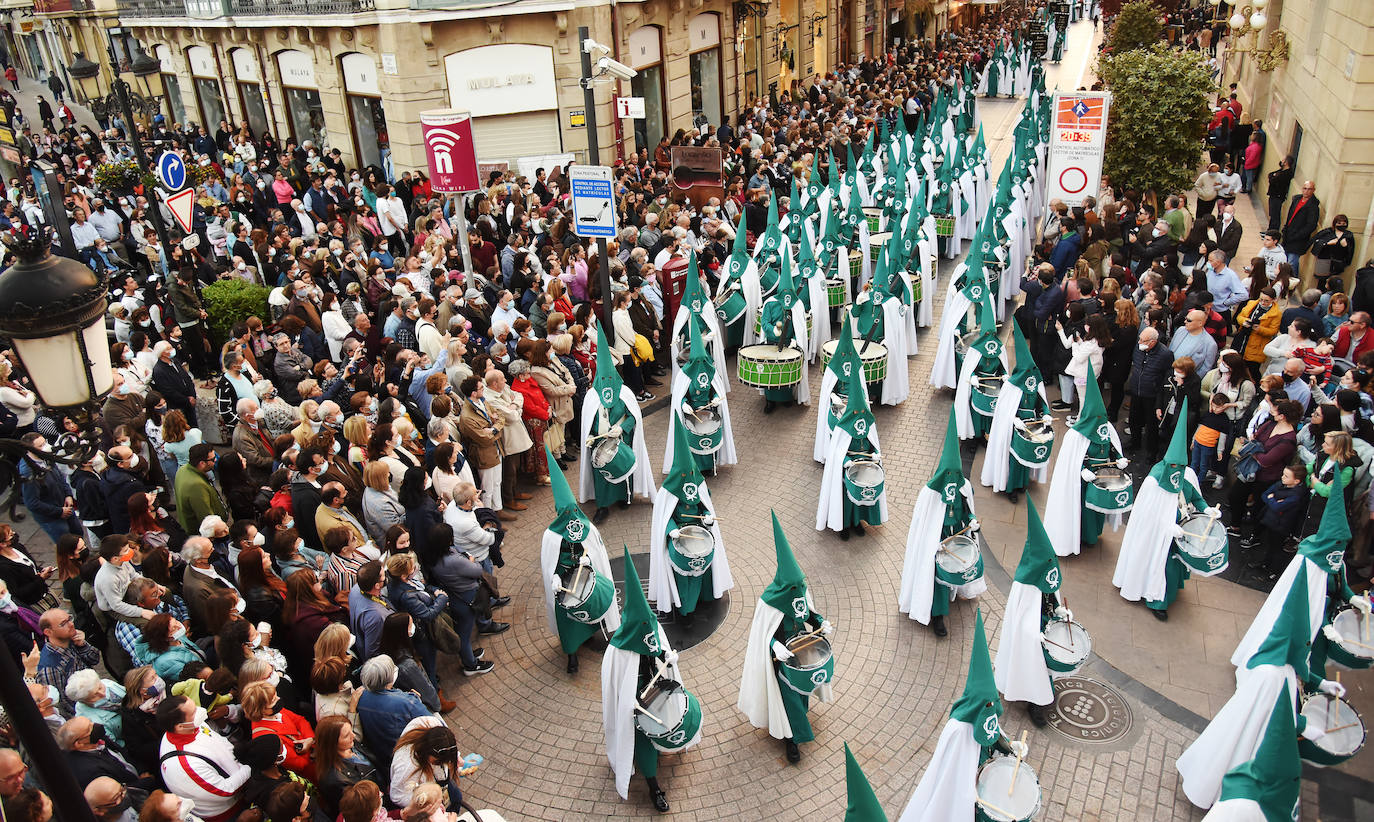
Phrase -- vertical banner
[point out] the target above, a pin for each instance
(447, 135)
(1078, 139)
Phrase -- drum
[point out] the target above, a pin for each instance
(692, 550)
(705, 430)
(963, 342)
(613, 459)
(838, 403)
(1007, 791)
(834, 292)
(856, 266)
(811, 666)
(1356, 648)
(1203, 545)
(959, 561)
(1111, 492)
(993, 271)
(944, 225)
(730, 306)
(874, 217)
(586, 595)
(670, 716)
(1067, 646)
(863, 480)
(983, 397)
(1344, 726)
(758, 325)
(876, 243)
(767, 366)
(873, 356)
(1032, 441)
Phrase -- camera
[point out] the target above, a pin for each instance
(616, 69)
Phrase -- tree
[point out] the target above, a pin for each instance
(1159, 115)
(1137, 27)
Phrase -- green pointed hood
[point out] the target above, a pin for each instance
(684, 479)
(806, 258)
(988, 344)
(1025, 374)
(863, 802)
(1039, 565)
(813, 185)
(772, 235)
(1290, 639)
(851, 168)
(1168, 472)
(854, 214)
(1327, 546)
(700, 366)
(980, 148)
(570, 523)
(607, 382)
(845, 360)
(787, 287)
(948, 479)
(638, 631)
(1273, 778)
(866, 161)
(858, 417)
(795, 233)
(739, 252)
(1092, 417)
(787, 591)
(694, 296)
(980, 705)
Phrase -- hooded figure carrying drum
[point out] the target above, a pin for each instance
(1172, 532)
(853, 492)
(687, 562)
(981, 375)
(614, 460)
(699, 402)
(1021, 435)
(737, 299)
(644, 706)
(578, 591)
(789, 658)
(783, 325)
(1090, 483)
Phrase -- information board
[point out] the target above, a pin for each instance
(1078, 140)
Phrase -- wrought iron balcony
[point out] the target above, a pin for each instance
(266, 8)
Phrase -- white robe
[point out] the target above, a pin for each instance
(642, 480)
(801, 392)
(914, 598)
(1140, 566)
(830, 507)
(820, 316)
(908, 320)
(1236, 810)
(925, 310)
(1235, 733)
(1064, 508)
(963, 409)
(726, 454)
(711, 338)
(997, 459)
(619, 691)
(1019, 668)
(753, 299)
(948, 789)
(760, 693)
(897, 383)
(942, 374)
(822, 445)
(663, 593)
(1273, 606)
(548, 564)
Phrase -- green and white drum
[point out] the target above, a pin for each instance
(838, 403)
(811, 666)
(1345, 731)
(705, 429)
(1356, 648)
(856, 266)
(876, 243)
(613, 459)
(863, 479)
(730, 306)
(1111, 492)
(944, 225)
(1203, 545)
(834, 292)
(983, 397)
(873, 356)
(1032, 441)
(1067, 646)
(758, 325)
(1007, 791)
(959, 561)
(767, 366)
(874, 216)
(692, 550)
(586, 595)
(670, 715)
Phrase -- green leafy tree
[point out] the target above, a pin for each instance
(231, 301)
(1159, 116)
(1137, 27)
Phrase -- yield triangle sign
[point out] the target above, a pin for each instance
(180, 205)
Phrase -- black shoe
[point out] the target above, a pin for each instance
(494, 628)
(623, 504)
(500, 602)
(793, 752)
(857, 529)
(1233, 531)
(1014, 496)
(1249, 542)
(600, 515)
(478, 669)
(844, 535)
(660, 800)
(571, 456)
(1060, 405)
(572, 663)
(938, 626)
(768, 406)
(562, 466)
(478, 653)
(645, 396)
(652, 381)
(1037, 714)
(1161, 615)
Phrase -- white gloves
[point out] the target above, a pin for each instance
(826, 628)
(585, 561)
(1019, 748)
(1212, 511)
(780, 652)
(1048, 419)
(974, 526)
(614, 431)
(1122, 463)
(1087, 475)
(1329, 631)
(862, 298)
(708, 520)
(1360, 603)
(670, 657)
(1063, 613)
(1313, 732)
(1330, 688)
(1176, 531)
(675, 533)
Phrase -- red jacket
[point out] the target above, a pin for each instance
(536, 404)
(291, 727)
(1342, 344)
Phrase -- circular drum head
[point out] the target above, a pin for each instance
(668, 706)
(605, 451)
(704, 421)
(573, 598)
(694, 541)
(1112, 479)
(1325, 712)
(959, 552)
(1350, 625)
(1005, 802)
(812, 652)
(865, 473)
(1068, 642)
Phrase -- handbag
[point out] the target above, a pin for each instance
(1247, 466)
(444, 634)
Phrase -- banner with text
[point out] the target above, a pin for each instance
(1078, 139)
(448, 148)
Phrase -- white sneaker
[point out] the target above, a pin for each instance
(1219, 481)
(1071, 419)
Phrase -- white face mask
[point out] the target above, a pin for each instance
(260, 539)
(410, 628)
(240, 605)
(1143, 347)
(133, 461)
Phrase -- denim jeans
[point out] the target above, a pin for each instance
(1201, 461)
(56, 528)
(1294, 260)
(465, 620)
(1247, 177)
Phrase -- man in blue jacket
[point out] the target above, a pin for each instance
(46, 493)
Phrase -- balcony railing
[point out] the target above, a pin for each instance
(212, 9)
(264, 8)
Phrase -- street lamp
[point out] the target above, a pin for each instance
(1251, 20)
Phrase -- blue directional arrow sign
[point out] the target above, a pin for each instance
(171, 171)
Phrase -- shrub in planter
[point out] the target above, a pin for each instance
(231, 301)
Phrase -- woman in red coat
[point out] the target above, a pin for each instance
(262, 707)
(536, 417)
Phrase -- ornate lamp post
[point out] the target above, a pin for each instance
(1252, 20)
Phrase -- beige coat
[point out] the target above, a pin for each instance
(558, 387)
(510, 405)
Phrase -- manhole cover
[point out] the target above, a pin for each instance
(1085, 710)
(683, 631)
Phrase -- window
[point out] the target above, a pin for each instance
(369, 129)
(211, 103)
(307, 115)
(176, 109)
(253, 108)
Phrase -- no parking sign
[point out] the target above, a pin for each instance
(1078, 139)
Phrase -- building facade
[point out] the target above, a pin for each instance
(1318, 105)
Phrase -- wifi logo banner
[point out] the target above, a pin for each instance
(450, 151)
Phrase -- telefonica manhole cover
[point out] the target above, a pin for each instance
(1085, 710)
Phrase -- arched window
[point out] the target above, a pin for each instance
(646, 57)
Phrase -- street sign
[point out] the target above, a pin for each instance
(180, 204)
(629, 108)
(450, 151)
(592, 201)
(171, 171)
(1078, 139)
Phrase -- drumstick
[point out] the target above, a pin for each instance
(645, 711)
(661, 669)
(981, 801)
(1342, 727)
(1064, 603)
(1057, 645)
(1331, 701)
(1017, 772)
(701, 516)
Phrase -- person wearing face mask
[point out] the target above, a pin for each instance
(46, 494)
(89, 752)
(110, 801)
(122, 480)
(251, 441)
(144, 690)
(197, 763)
(98, 700)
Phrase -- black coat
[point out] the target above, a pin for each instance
(119, 486)
(305, 498)
(17, 636)
(1362, 290)
(177, 387)
(1299, 225)
(1149, 370)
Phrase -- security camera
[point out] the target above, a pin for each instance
(590, 46)
(616, 69)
